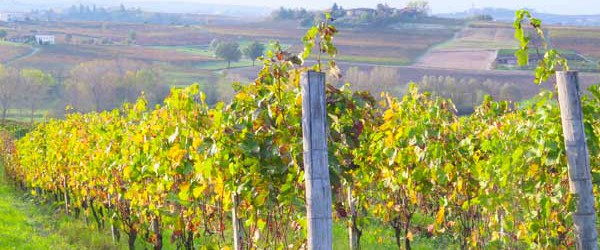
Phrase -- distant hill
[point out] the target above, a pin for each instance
(164, 7)
(507, 15)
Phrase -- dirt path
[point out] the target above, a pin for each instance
(31, 53)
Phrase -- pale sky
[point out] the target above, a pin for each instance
(572, 7)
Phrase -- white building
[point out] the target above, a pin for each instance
(45, 39)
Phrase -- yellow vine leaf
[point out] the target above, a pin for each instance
(439, 218)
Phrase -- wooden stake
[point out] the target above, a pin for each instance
(316, 170)
(584, 217)
(238, 233)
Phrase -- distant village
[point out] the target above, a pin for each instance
(381, 15)
(34, 38)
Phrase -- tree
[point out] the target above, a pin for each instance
(144, 80)
(214, 44)
(229, 51)
(3, 34)
(337, 11)
(420, 6)
(254, 50)
(35, 86)
(366, 17)
(8, 89)
(384, 10)
(132, 36)
(282, 14)
(91, 85)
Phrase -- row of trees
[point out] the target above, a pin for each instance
(382, 13)
(89, 86)
(24, 88)
(106, 84)
(465, 92)
(231, 52)
(290, 14)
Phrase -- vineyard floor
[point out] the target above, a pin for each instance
(25, 225)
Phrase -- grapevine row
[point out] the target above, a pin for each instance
(183, 171)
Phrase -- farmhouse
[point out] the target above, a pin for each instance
(44, 39)
(359, 12)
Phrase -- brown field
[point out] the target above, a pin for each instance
(473, 48)
(482, 36)
(147, 35)
(585, 41)
(391, 46)
(71, 55)
(459, 59)
(9, 51)
(104, 40)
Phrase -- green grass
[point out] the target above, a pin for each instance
(24, 115)
(25, 225)
(374, 60)
(194, 50)
(2, 42)
(203, 50)
(210, 65)
(220, 65)
(377, 236)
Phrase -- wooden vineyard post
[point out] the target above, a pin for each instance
(238, 233)
(584, 217)
(316, 170)
(353, 233)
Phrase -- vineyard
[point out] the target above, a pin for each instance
(196, 175)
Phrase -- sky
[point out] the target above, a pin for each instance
(571, 7)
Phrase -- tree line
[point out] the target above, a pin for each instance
(382, 14)
(466, 92)
(90, 86)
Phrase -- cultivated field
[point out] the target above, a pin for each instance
(482, 36)
(585, 41)
(11, 51)
(472, 48)
(397, 46)
(459, 59)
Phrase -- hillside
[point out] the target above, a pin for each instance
(508, 15)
